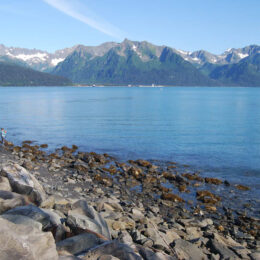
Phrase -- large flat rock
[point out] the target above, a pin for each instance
(25, 242)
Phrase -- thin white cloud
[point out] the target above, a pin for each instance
(80, 12)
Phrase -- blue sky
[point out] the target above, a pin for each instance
(213, 25)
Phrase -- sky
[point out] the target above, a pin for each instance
(212, 25)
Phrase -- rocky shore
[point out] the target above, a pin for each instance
(80, 205)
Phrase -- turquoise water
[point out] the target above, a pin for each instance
(216, 130)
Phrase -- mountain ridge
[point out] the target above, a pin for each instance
(128, 63)
(42, 60)
(140, 63)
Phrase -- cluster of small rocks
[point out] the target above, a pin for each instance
(75, 205)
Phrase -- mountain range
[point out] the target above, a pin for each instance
(141, 63)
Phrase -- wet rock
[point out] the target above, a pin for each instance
(182, 188)
(23, 182)
(44, 145)
(32, 212)
(171, 197)
(28, 165)
(135, 172)
(4, 184)
(193, 177)
(187, 250)
(79, 243)
(112, 169)
(81, 167)
(16, 149)
(168, 176)
(210, 208)
(94, 158)
(143, 163)
(107, 181)
(149, 180)
(163, 189)
(213, 181)
(207, 197)
(27, 142)
(242, 187)
(226, 183)
(84, 216)
(74, 147)
(25, 242)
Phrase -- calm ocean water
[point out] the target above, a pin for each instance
(216, 130)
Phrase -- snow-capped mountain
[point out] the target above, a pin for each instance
(230, 56)
(45, 61)
(36, 59)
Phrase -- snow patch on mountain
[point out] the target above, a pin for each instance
(37, 57)
(56, 61)
(184, 52)
(242, 55)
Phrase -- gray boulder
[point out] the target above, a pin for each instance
(32, 212)
(23, 182)
(8, 195)
(85, 217)
(22, 220)
(25, 242)
(79, 243)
